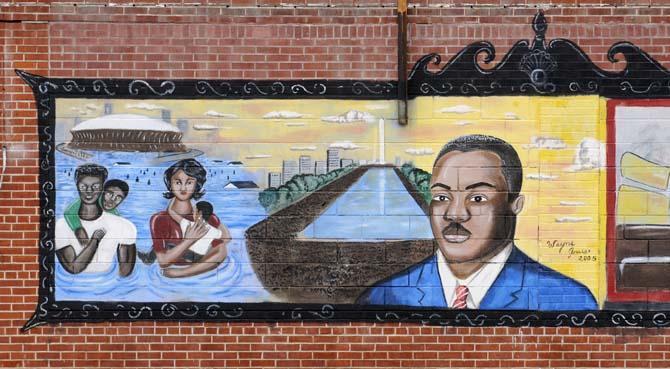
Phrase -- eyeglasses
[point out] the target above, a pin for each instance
(84, 187)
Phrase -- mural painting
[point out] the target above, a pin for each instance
(189, 211)
(519, 195)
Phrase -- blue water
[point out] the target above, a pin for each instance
(232, 281)
(376, 207)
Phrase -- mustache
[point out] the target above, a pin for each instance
(454, 229)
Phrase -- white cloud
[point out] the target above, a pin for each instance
(573, 219)
(214, 113)
(548, 143)
(588, 155)
(376, 106)
(144, 106)
(79, 111)
(572, 203)
(463, 123)
(351, 116)
(204, 127)
(295, 124)
(420, 151)
(303, 148)
(259, 156)
(541, 177)
(282, 114)
(511, 116)
(344, 145)
(458, 109)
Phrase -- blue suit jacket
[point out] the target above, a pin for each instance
(523, 284)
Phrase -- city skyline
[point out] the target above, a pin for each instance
(306, 165)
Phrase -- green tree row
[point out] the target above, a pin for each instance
(419, 178)
(275, 198)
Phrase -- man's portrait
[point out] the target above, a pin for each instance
(475, 200)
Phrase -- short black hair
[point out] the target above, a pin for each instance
(205, 208)
(192, 168)
(122, 185)
(511, 164)
(90, 170)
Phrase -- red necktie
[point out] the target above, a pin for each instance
(461, 297)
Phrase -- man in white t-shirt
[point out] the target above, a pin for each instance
(111, 234)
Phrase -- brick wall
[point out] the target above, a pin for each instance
(273, 39)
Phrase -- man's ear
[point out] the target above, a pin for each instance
(517, 204)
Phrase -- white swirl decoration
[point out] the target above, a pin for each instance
(45, 107)
(528, 319)
(46, 266)
(661, 320)
(575, 319)
(190, 312)
(591, 86)
(468, 88)
(275, 89)
(387, 317)
(45, 86)
(47, 209)
(100, 85)
(443, 88)
(627, 86)
(223, 89)
(545, 89)
(86, 309)
(165, 88)
(135, 313)
(64, 311)
(71, 85)
(377, 89)
(318, 89)
(327, 312)
(506, 320)
(213, 311)
(168, 310)
(621, 319)
(42, 312)
(479, 320)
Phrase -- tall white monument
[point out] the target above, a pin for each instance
(382, 159)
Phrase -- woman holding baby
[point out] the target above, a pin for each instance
(187, 239)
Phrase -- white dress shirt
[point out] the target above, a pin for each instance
(478, 283)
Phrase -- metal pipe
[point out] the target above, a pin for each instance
(402, 62)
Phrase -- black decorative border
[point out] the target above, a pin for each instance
(557, 68)
(47, 90)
